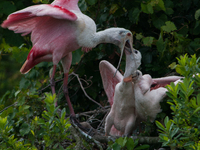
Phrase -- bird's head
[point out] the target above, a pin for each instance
(133, 77)
(120, 37)
(123, 38)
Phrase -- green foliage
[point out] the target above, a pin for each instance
(182, 131)
(126, 143)
(47, 130)
(162, 29)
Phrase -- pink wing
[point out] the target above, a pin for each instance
(162, 82)
(107, 71)
(24, 21)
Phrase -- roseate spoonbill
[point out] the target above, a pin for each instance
(147, 99)
(56, 30)
(134, 103)
(122, 114)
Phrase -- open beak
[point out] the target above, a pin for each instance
(126, 46)
(132, 77)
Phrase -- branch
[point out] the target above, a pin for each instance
(103, 110)
(100, 138)
(84, 90)
(142, 140)
(79, 80)
(8, 107)
(85, 135)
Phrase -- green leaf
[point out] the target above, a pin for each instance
(198, 99)
(24, 83)
(159, 125)
(130, 144)
(166, 121)
(114, 8)
(3, 122)
(7, 7)
(45, 1)
(169, 27)
(159, 21)
(139, 36)
(24, 129)
(91, 2)
(76, 56)
(134, 15)
(160, 44)
(172, 65)
(150, 8)
(82, 5)
(120, 141)
(197, 14)
(148, 41)
(116, 146)
(196, 110)
(145, 146)
(144, 8)
(161, 5)
(174, 132)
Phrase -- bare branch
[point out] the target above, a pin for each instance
(84, 90)
(86, 136)
(14, 104)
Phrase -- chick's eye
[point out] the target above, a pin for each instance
(136, 51)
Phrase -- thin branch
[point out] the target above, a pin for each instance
(85, 91)
(102, 110)
(85, 135)
(142, 140)
(8, 107)
(49, 85)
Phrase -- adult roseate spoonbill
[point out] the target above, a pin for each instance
(56, 30)
(122, 114)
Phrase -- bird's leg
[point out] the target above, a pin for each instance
(65, 90)
(52, 82)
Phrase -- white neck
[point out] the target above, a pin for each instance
(104, 36)
(131, 66)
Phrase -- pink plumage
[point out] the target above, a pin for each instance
(56, 30)
(47, 25)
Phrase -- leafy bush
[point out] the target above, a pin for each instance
(21, 129)
(182, 131)
(162, 29)
(126, 143)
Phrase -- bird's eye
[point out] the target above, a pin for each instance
(136, 51)
(138, 73)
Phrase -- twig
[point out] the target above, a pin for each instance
(8, 107)
(103, 120)
(142, 140)
(84, 90)
(86, 135)
(49, 85)
(103, 110)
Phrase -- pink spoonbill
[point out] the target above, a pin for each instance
(56, 30)
(122, 116)
(133, 97)
(149, 93)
